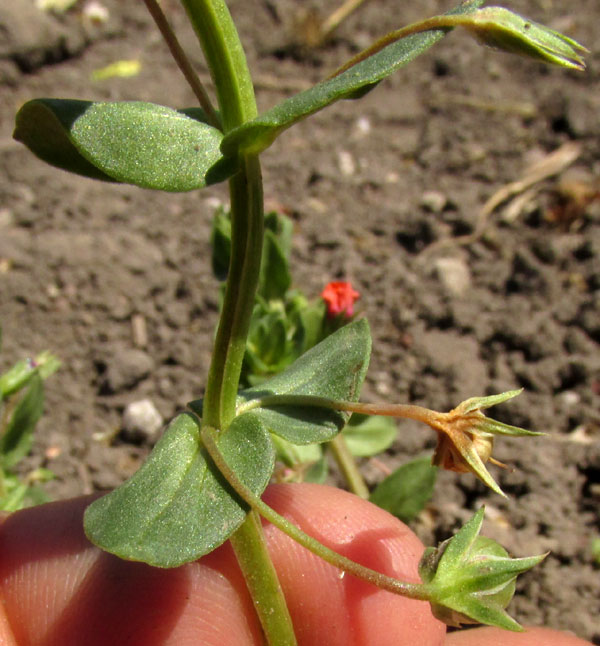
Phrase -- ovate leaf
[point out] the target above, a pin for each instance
(367, 435)
(16, 441)
(335, 369)
(405, 492)
(178, 507)
(275, 277)
(148, 145)
(260, 133)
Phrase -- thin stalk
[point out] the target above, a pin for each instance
(261, 579)
(409, 590)
(237, 104)
(347, 464)
(334, 20)
(437, 22)
(247, 227)
(183, 62)
(226, 60)
(406, 411)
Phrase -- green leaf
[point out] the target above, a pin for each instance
(260, 133)
(283, 228)
(16, 441)
(294, 455)
(14, 493)
(317, 472)
(45, 364)
(335, 369)
(275, 278)
(16, 377)
(132, 142)
(405, 492)
(368, 435)
(178, 507)
(17, 493)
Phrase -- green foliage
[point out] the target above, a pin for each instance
(406, 491)
(133, 142)
(471, 579)
(505, 30)
(178, 507)
(368, 435)
(304, 370)
(284, 323)
(21, 406)
(303, 462)
(595, 550)
(335, 369)
(258, 134)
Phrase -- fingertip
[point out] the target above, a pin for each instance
(56, 589)
(7, 637)
(330, 608)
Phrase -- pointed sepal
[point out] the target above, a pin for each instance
(471, 578)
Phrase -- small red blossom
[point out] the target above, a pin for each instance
(339, 296)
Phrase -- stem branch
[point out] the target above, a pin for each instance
(437, 22)
(409, 590)
(250, 547)
(183, 62)
(405, 411)
(347, 464)
(237, 104)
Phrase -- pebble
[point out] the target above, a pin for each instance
(433, 201)
(141, 421)
(454, 274)
(7, 218)
(346, 163)
(127, 368)
(361, 128)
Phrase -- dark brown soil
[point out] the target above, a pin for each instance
(377, 188)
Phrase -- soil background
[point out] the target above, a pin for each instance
(379, 190)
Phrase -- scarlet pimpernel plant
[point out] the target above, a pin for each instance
(197, 488)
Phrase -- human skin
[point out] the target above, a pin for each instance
(58, 589)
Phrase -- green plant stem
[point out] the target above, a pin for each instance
(247, 227)
(183, 62)
(262, 581)
(437, 22)
(406, 411)
(226, 60)
(346, 565)
(237, 104)
(347, 464)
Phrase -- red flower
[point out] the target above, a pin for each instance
(339, 296)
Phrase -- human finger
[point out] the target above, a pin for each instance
(58, 589)
(330, 608)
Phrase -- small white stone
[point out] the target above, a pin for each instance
(362, 127)
(454, 275)
(96, 12)
(7, 218)
(571, 398)
(346, 163)
(141, 420)
(433, 201)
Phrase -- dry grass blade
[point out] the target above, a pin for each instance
(549, 166)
